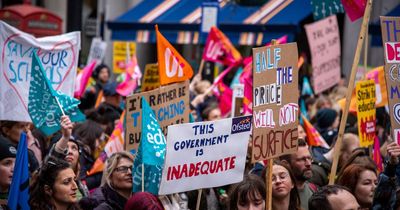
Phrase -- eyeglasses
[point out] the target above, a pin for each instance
(283, 176)
(123, 169)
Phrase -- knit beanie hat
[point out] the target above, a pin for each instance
(7, 150)
(143, 201)
(326, 117)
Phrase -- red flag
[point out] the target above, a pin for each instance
(354, 8)
(219, 49)
(313, 136)
(132, 76)
(82, 79)
(173, 67)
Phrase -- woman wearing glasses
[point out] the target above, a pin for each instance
(116, 184)
(284, 191)
(54, 187)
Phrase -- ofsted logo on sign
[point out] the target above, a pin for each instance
(241, 124)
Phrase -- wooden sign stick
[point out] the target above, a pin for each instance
(338, 144)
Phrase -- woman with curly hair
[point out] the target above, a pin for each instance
(54, 187)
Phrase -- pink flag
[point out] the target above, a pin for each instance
(377, 155)
(246, 78)
(354, 8)
(82, 79)
(132, 76)
(224, 96)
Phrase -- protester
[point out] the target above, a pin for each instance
(300, 165)
(327, 124)
(284, 192)
(385, 192)
(54, 187)
(359, 157)
(91, 136)
(248, 194)
(211, 112)
(333, 197)
(7, 161)
(116, 184)
(67, 148)
(361, 180)
(143, 201)
(101, 75)
(12, 130)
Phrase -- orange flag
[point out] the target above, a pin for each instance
(172, 66)
(313, 136)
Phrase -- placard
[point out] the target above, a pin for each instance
(170, 105)
(97, 51)
(205, 154)
(391, 45)
(58, 55)
(324, 41)
(275, 101)
(121, 56)
(366, 112)
(151, 77)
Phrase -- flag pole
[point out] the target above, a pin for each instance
(200, 191)
(338, 144)
(59, 105)
(200, 72)
(142, 177)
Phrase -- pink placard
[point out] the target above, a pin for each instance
(324, 41)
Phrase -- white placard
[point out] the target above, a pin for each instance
(58, 54)
(205, 154)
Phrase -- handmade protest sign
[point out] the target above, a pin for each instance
(324, 41)
(275, 98)
(205, 154)
(237, 99)
(366, 112)
(97, 51)
(58, 55)
(169, 103)
(391, 46)
(121, 55)
(151, 78)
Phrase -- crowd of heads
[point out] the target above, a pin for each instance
(59, 164)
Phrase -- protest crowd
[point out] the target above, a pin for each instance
(259, 135)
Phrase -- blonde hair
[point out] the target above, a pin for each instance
(111, 165)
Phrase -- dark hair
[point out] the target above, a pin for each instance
(97, 70)
(351, 174)
(47, 175)
(359, 157)
(294, 202)
(206, 111)
(247, 191)
(87, 133)
(319, 200)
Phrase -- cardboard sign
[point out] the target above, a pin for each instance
(275, 98)
(366, 112)
(324, 41)
(121, 56)
(391, 43)
(237, 99)
(205, 154)
(58, 55)
(97, 51)
(151, 77)
(169, 103)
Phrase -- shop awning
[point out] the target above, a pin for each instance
(179, 21)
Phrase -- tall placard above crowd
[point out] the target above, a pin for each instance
(275, 101)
